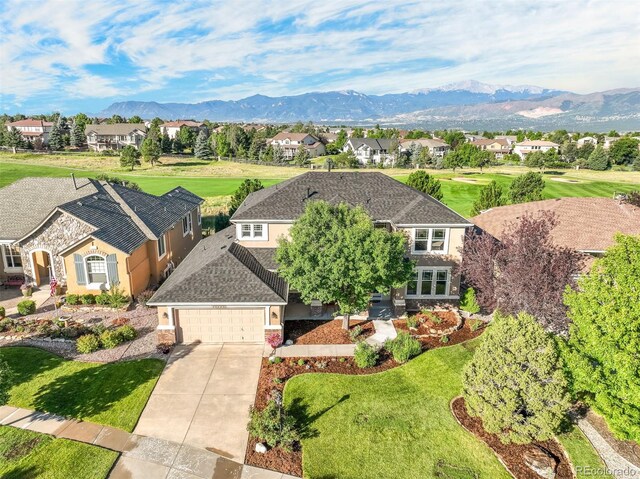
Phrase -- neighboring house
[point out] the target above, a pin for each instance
(511, 139)
(172, 128)
(586, 140)
(437, 148)
(32, 129)
(499, 147)
(522, 149)
(228, 288)
(92, 235)
(371, 150)
(115, 136)
(290, 142)
(587, 225)
(608, 141)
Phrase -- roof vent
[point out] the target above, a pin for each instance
(79, 203)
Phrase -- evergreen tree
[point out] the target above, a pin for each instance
(491, 196)
(56, 142)
(604, 337)
(202, 150)
(423, 181)
(526, 187)
(165, 143)
(598, 159)
(176, 146)
(129, 157)
(302, 157)
(150, 150)
(515, 382)
(78, 137)
(13, 139)
(245, 189)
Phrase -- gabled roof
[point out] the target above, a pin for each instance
(115, 129)
(283, 135)
(426, 142)
(30, 122)
(179, 123)
(486, 142)
(384, 198)
(584, 224)
(373, 143)
(218, 270)
(538, 143)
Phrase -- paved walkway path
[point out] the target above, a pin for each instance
(141, 457)
(384, 330)
(619, 466)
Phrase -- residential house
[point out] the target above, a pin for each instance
(172, 128)
(290, 142)
(511, 139)
(587, 225)
(92, 235)
(33, 130)
(523, 148)
(228, 288)
(437, 148)
(608, 141)
(115, 136)
(586, 140)
(372, 150)
(499, 147)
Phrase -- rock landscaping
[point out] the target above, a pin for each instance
(316, 331)
(536, 460)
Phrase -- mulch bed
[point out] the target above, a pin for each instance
(463, 334)
(316, 331)
(511, 455)
(427, 325)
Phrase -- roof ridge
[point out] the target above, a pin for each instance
(127, 209)
(272, 280)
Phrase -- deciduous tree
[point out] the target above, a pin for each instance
(423, 181)
(624, 151)
(515, 382)
(335, 254)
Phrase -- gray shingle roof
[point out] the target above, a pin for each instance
(373, 143)
(384, 198)
(218, 270)
(265, 256)
(26, 203)
(115, 129)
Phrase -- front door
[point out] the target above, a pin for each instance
(42, 267)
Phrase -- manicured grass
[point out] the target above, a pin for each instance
(27, 454)
(398, 423)
(392, 424)
(112, 394)
(582, 454)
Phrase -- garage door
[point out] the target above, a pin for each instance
(221, 325)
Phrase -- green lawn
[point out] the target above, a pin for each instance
(112, 394)
(397, 423)
(581, 452)
(27, 454)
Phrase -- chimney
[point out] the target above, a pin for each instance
(73, 177)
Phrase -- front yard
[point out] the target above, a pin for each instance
(26, 454)
(110, 394)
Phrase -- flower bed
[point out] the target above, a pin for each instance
(434, 323)
(513, 455)
(316, 331)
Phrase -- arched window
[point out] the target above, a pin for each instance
(96, 269)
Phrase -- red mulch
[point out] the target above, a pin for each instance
(512, 455)
(461, 335)
(449, 320)
(316, 331)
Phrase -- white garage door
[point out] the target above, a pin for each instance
(221, 325)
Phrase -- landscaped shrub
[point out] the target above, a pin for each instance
(444, 339)
(355, 333)
(6, 324)
(117, 298)
(71, 332)
(88, 299)
(103, 299)
(273, 424)
(110, 338)
(412, 322)
(28, 306)
(468, 302)
(2, 312)
(301, 362)
(365, 355)
(276, 360)
(475, 325)
(87, 344)
(274, 340)
(98, 329)
(144, 297)
(127, 332)
(403, 347)
(72, 299)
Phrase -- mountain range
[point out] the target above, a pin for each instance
(469, 105)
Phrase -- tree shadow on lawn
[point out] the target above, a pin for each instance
(25, 363)
(22, 472)
(92, 391)
(304, 420)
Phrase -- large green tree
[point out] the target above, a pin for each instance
(515, 381)
(129, 157)
(491, 196)
(302, 157)
(78, 137)
(13, 139)
(599, 159)
(245, 189)
(150, 150)
(604, 337)
(423, 181)
(202, 150)
(335, 254)
(526, 187)
(624, 151)
(56, 141)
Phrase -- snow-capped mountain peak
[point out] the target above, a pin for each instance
(474, 86)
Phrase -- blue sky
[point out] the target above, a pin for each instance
(69, 56)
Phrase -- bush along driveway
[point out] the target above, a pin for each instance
(111, 394)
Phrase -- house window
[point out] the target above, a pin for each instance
(162, 246)
(429, 282)
(96, 269)
(430, 240)
(257, 231)
(248, 231)
(12, 258)
(186, 224)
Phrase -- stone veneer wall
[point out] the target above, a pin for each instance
(57, 234)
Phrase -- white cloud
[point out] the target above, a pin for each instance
(376, 47)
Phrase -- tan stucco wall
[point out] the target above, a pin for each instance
(276, 230)
(279, 311)
(162, 321)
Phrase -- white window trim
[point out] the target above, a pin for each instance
(435, 270)
(7, 268)
(97, 286)
(252, 237)
(189, 223)
(429, 238)
(163, 239)
(199, 216)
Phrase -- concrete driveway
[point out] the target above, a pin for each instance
(203, 396)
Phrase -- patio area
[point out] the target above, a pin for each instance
(10, 297)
